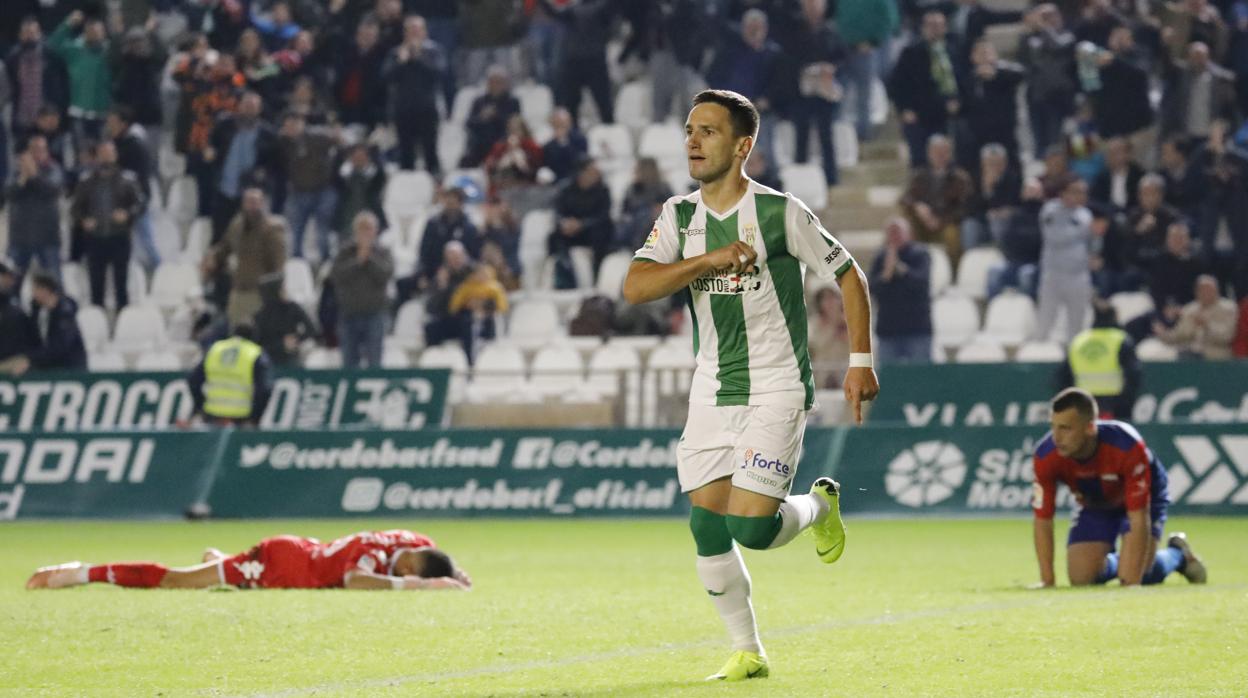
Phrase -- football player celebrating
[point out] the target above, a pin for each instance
(1120, 488)
(395, 559)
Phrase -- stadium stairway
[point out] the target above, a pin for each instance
(867, 194)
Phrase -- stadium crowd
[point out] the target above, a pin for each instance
(1110, 155)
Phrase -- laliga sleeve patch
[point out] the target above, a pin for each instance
(652, 239)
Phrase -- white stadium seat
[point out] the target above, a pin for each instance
(139, 328)
(452, 142)
(409, 324)
(807, 182)
(535, 228)
(973, 270)
(394, 357)
(557, 370)
(955, 319)
(611, 146)
(532, 323)
(941, 272)
(1153, 349)
(298, 282)
(408, 193)
(1129, 305)
(1040, 352)
(497, 374)
(612, 272)
(613, 366)
(1011, 318)
(845, 139)
(198, 238)
(175, 283)
(158, 361)
(981, 351)
(93, 325)
(106, 361)
(536, 103)
(450, 356)
(76, 283)
(322, 358)
(664, 142)
(634, 104)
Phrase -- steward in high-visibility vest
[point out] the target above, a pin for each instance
(1102, 361)
(233, 383)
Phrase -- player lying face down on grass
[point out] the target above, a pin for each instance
(394, 559)
(1120, 488)
(739, 252)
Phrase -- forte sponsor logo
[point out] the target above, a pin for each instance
(755, 459)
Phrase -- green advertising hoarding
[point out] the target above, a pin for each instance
(302, 399)
(105, 475)
(448, 473)
(936, 470)
(983, 395)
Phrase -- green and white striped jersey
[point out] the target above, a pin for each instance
(749, 329)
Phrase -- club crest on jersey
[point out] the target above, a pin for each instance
(727, 284)
(750, 231)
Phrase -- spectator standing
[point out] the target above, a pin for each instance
(134, 155)
(361, 185)
(587, 27)
(672, 33)
(34, 198)
(359, 86)
(414, 72)
(582, 219)
(277, 29)
(817, 50)
(1206, 326)
(748, 63)
(900, 280)
(1197, 93)
(502, 230)
(1222, 178)
(308, 160)
(988, 105)
(244, 150)
(924, 87)
(37, 77)
(55, 319)
(488, 29)
(106, 205)
(488, 117)
(936, 199)
(1047, 52)
(1182, 180)
(567, 145)
(867, 28)
(1122, 106)
(137, 69)
(449, 224)
(1189, 21)
(1065, 277)
(362, 271)
(90, 75)
(282, 325)
(253, 247)
(209, 89)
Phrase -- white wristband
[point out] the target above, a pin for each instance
(860, 360)
(398, 583)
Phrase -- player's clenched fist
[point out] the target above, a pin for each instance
(734, 258)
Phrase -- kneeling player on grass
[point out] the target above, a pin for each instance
(739, 250)
(394, 559)
(1120, 488)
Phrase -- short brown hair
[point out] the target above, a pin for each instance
(1078, 399)
(741, 110)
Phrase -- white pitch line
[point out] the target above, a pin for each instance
(1041, 598)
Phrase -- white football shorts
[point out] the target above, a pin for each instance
(757, 446)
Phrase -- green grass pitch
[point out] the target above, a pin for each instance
(614, 608)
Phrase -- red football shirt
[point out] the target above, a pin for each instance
(292, 562)
(1120, 473)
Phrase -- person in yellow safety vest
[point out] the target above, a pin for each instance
(1102, 361)
(233, 383)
